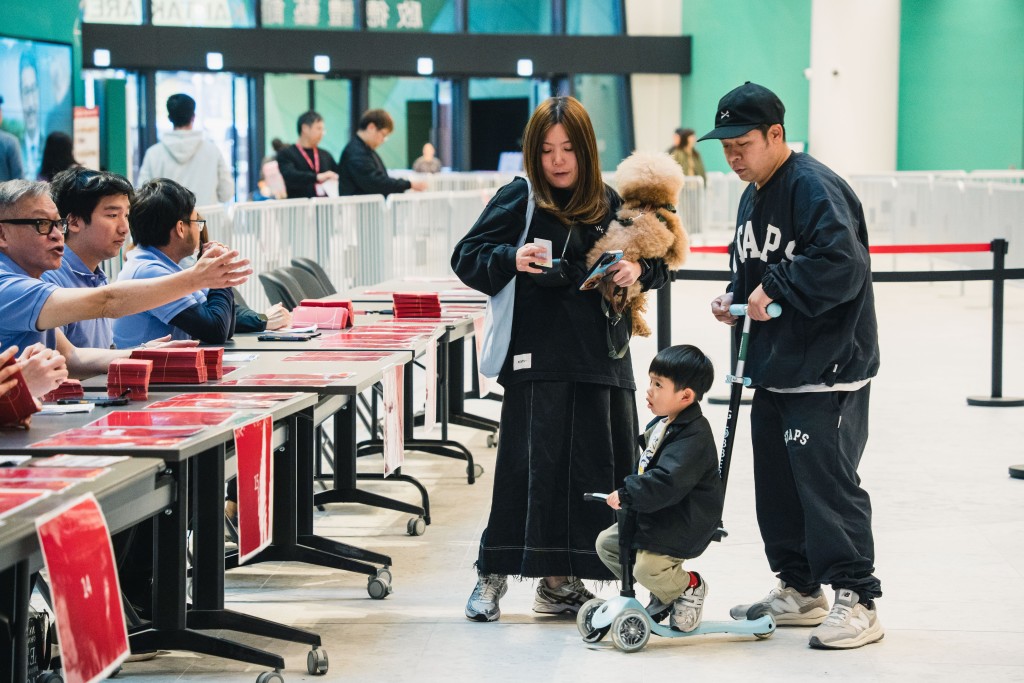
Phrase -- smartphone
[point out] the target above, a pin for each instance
(600, 269)
(284, 337)
(99, 400)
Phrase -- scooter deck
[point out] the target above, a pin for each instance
(606, 613)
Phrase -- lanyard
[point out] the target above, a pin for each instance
(316, 156)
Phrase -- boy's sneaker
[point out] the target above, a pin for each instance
(787, 606)
(483, 602)
(568, 597)
(849, 624)
(658, 610)
(688, 607)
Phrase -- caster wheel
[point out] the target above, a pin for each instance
(473, 471)
(384, 574)
(270, 677)
(583, 617)
(51, 677)
(764, 636)
(378, 588)
(630, 630)
(492, 440)
(416, 526)
(316, 662)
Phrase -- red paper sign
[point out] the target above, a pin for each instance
(11, 501)
(166, 418)
(338, 356)
(86, 594)
(255, 487)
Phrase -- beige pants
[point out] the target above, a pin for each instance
(664, 576)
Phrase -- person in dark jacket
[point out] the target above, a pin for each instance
(360, 168)
(801, 240)
(568, 417)
(307, 169)
(676, 494)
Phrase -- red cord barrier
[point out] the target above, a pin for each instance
(885, 249)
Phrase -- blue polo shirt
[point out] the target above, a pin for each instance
(21, 299)
(86, 334)
(144, 263)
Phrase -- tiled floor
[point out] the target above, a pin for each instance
(949, 532)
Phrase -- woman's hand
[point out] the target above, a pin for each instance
(527, 255)
(625, 273)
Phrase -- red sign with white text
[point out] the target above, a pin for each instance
(86, 594)
(255, 487)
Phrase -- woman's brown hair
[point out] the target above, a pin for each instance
(588, 203)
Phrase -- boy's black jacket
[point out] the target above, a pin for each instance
(679, 497)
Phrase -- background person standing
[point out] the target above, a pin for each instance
(361, 170)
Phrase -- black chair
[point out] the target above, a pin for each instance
(317, 271)
(281, 288)
(308, 284)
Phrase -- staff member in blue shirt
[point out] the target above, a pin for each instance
(166, 228)
(32, 242)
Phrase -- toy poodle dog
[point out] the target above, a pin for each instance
(646, 226)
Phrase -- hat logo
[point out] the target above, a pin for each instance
(724, 115)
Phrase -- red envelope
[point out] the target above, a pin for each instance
(255, 487)
(327, 318)
(17, 403)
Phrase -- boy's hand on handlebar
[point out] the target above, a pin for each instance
(613, 500)
(720, 309)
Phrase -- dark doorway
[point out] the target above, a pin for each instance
(496, 126)
(420, 119)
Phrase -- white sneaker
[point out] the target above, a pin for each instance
(688, 607)
(483, 602)
(787, 606)
(850, 624)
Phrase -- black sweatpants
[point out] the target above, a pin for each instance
(815, 518)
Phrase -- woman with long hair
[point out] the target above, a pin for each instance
(568, 418)
(58, 155)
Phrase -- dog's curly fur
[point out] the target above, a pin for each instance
(646, 227)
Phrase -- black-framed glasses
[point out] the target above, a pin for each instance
(43, 226)
(200, 221)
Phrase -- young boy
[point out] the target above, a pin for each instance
(676, 491)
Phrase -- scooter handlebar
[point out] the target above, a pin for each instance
(595, 496)
(739, 310)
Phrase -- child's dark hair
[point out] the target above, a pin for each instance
(156, 209)
(687, 367)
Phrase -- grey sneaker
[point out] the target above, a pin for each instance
(850, 624)
(658, 610)
(568, 597)
(688, 607)
(483, 603)
(787, 606)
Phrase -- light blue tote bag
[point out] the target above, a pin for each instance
(498, 318)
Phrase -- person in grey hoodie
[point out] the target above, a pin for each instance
(185, 156)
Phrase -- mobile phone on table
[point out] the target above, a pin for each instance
(600, 269)
(284, 337)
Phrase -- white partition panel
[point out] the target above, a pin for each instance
(354, 244)
(270, 234)
(691, 205)
(722, 200)
(421, 240)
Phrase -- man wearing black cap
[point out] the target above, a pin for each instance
(801, 240)
(10, 152)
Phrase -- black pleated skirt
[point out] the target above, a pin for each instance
(558, 440)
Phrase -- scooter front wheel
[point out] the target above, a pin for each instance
(584, 621)
(631, 630)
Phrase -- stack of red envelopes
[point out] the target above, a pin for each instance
(324, 317)
(175, 365)
(69, 388)
(214, 360)
(417, 304)
(129, 373)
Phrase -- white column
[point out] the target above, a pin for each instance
(854, 84)
(657, 98)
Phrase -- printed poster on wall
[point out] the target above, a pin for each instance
(255, 487)
(87, 136)
(86, 594)
(394, 434)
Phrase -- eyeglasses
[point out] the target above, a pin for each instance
(200, 221)
(43, 226)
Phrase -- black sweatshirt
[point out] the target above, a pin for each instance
(212, 322)
(558, 333)
(361, 171)
(804, 238)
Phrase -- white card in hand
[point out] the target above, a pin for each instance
(546, 261)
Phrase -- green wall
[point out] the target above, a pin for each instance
(961, 103)
(56, 21)
(765, 41)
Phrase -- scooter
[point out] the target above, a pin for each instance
(628, 621)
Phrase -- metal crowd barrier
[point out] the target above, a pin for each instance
(353, 240)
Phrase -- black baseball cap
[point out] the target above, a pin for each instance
(745, 108)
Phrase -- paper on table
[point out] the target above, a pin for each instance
(239, 357)
(14, 459)
(66, 460)
(54, 409)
